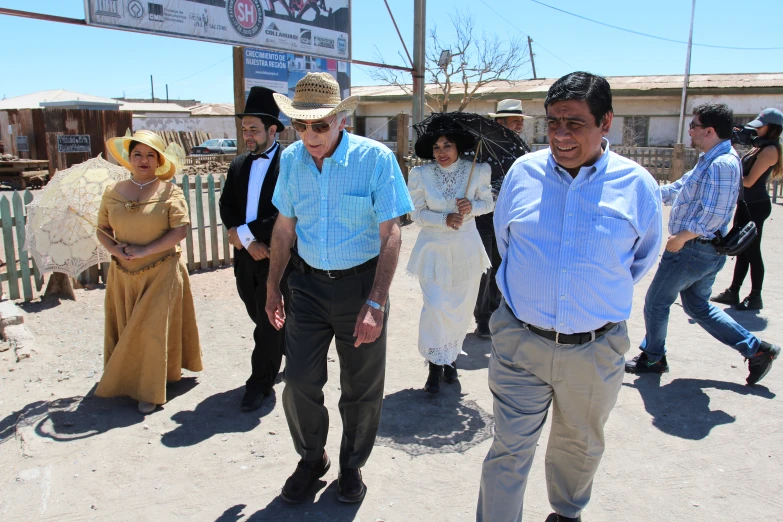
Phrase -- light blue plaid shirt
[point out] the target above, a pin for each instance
(572, 248)
(703, 200)
(339, 209)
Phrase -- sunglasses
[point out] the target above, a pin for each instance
(692, 126)
(319, 127)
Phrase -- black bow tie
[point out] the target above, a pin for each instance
(264, 154)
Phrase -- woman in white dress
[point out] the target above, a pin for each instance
(448, 257)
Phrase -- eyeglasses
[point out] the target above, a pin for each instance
(692, 125)
(319, 127)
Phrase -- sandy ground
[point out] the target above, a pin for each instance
(694, 444)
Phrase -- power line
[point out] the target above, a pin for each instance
(194, 74)
(647, 35)
(517, 29)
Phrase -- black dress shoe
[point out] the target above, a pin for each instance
(760, 364)
(642, 364)
(482, 330)
(350, 487)
(554, 517)
(304, 477)
(433, 380)
(752, 302)
(728, 296)
(253, 399)
(450, 372)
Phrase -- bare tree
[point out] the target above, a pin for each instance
(475, 61)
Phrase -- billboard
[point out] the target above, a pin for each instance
(280, 71)
(315, 27)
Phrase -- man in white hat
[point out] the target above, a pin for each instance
(339, 197)
(509, 114)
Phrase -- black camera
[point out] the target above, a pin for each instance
(743, 135)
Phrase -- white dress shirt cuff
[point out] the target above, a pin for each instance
(245, 236)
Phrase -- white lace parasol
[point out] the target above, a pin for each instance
(63, 219)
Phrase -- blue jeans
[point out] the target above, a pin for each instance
(690, 273)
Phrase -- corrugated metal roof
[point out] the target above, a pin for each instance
(140, 107)
(212, 109)
(34, 100)
(618, 83)
(63, 98)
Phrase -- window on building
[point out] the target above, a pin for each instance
(539, 130)
(360, 125)
(392, 126)
(635, 130)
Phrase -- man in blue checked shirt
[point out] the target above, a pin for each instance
(703, 202)
(576, 227)
(339, 197)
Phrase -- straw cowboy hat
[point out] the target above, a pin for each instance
(507, 108)
(316, 96)
(171, 157)
(261, 103)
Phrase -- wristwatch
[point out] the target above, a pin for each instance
(373, 304)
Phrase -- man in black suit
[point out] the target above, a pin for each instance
(247, 212)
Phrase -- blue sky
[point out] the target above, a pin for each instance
(44, 55)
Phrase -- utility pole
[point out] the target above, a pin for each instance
(152, 87)
(167, 93)
(687, 74)
(419, 33)
(532, 61)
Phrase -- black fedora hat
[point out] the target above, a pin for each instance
(441, 125)
(260, 102)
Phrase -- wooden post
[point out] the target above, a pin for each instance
(239, 93)
(402, 142)
(678, 162)
(402, 152)
(60, 286)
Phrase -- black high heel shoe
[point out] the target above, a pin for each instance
(433, 380)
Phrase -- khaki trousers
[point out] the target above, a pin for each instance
(527, 373)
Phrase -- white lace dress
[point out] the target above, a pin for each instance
(447, 262)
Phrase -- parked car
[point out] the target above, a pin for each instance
(216, 147)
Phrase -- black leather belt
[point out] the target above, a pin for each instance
(338, 274)
(577, 338)
(703, 241)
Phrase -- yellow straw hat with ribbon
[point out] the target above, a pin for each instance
(171, 158)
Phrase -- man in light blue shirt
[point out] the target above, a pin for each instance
(576, 226)
(703, 202)
(339, 197)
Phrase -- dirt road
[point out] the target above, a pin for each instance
(694, 444)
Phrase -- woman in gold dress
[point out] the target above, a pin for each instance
(150, 323)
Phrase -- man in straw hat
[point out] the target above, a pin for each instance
(509, 114)
(340, 197)
(248, 213)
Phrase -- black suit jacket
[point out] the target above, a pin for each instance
(233, 198)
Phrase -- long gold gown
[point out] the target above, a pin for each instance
(150, 322)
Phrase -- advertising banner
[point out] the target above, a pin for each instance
(281, 71)
(315, 27)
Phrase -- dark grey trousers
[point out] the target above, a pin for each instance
(322, 309)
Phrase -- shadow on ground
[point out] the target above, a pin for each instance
(215, 415)
(477, 350)
(74, 418)
(325, 509)
(682, 408)
(419, 423)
